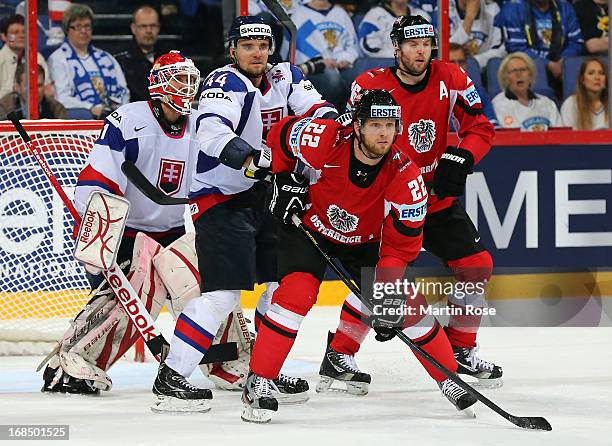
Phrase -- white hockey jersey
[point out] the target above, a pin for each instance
(375, 28)
(539, 115)
(485, 40)
(329, 33)
(230, 106)
(132, 133)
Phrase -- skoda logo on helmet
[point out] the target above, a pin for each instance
(255, 30)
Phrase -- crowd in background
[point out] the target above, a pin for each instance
(536, 63)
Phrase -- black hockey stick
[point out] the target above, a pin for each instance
(536, 423)
(141, 182)
(276, 8)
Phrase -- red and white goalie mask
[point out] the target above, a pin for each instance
(174, 80)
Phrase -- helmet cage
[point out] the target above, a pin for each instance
(175, 85)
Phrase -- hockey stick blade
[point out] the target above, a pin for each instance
(536, 423)
(141, 182)
(227, 351)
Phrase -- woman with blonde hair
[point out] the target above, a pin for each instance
(517, 106)
(587, 109)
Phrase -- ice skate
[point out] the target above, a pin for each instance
(289, 390)
(174, 394)
(458, 397)
(259, 403)
(488, 374)
(341, 367)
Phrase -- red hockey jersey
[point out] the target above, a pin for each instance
(445, 93)
(344, 207)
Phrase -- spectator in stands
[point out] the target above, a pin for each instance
(472, 25)
(48, 106)
(137, 60)
(12, 33)
(86, 77)
(545, 29)
(374, 29)
(326, 34)
(457, 54)
(517, 106)
(594, 23)
(587, 109)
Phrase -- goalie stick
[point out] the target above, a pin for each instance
(142, 183)
(275, 8)
(536, 423)
(126, 296)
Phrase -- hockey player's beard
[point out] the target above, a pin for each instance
(409, 68)
(371, 151)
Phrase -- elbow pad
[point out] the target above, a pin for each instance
(235, 152)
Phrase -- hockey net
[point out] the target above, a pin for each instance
(42, 287)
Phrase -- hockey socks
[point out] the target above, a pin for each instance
(278, 329)
(196, 328)
(351, 330)
(438, 346)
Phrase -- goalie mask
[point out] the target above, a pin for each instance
(174, 80)
(374, 104)
(250, 28)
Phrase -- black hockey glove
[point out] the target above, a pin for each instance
(260, 166)
(384, 334)
(452, 171)
(289, 196)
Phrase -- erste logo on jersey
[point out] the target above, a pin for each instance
(170, 176)
(270, 117)
(422, 135)
(341, 219)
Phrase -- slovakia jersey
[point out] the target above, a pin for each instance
(231, 106)
(133, 133)
(388, 207)
(445, 93)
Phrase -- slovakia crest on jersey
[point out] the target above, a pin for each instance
(342, 220)
(170, 176)
(271, 116)
(422, 135)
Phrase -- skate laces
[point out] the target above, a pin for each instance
(348, 361)
(184, 383)
(451, 390)
(262, 387)
(286, 379)
(477, 362)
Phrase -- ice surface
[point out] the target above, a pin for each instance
(563, 374)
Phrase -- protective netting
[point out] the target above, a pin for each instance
(41, 285)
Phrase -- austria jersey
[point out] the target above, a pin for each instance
(349, 206)
(133, 133)
(445, 93)
(230, 106)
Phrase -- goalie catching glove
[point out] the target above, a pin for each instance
(289, 196)
(452, 171)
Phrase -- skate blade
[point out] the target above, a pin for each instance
(488, 383)
(288, 399)
(352, 387)
(169, 404)
(468, 412)
(259, 416)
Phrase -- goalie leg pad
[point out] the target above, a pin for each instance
(103, 332)
(231, 375)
